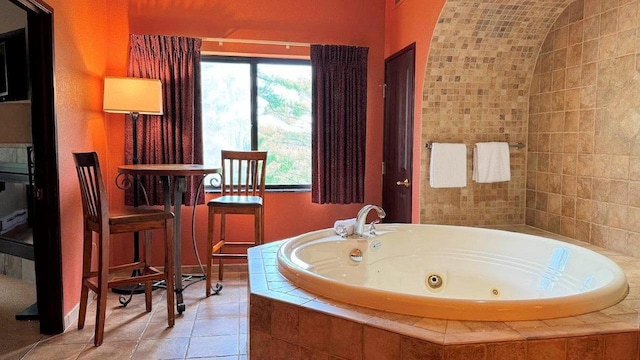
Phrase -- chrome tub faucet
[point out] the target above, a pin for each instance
(361, 219)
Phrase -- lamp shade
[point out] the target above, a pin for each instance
(132, 95)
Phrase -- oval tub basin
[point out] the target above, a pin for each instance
(454, 272)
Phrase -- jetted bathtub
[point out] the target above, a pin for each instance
(454, 272)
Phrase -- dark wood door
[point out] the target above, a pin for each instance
(47, 246)
(397, 189)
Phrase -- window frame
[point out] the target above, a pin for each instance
(253, 62)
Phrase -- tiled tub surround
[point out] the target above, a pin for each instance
(287, 321)
(583, 166)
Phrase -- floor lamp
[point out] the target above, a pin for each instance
(133, 96)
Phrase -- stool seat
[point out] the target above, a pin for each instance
(135, 217)
(237, 201)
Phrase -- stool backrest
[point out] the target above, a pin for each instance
(243, 172)
(94, 195)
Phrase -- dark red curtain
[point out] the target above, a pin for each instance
(176, 136)
(339, 122)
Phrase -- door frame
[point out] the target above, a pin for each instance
(47, 235)
(409, 48)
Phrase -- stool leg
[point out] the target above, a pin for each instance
(257, 234)
(84, 297)
(222, 236)
(220, 269)
(86, 270)
(103, 278)
(261, 225)
(148, 286)
(210, 229)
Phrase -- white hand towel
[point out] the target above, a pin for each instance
(491, 162)
(448, 167)
(344, 227)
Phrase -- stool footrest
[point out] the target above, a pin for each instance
(240, 243)
(230, 256)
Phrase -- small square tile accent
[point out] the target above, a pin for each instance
(476, 89)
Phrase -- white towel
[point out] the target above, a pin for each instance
(448, 167)
(344, 227)
(491, 162)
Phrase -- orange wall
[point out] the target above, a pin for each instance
(79, 65)
(327, 22)
(405, 23)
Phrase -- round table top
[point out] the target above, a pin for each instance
(168, 169)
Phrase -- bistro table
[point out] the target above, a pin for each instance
(177, 172)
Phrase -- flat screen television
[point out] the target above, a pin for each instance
(14, 75)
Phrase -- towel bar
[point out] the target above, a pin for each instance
(516, 145)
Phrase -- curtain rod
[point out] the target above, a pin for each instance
(287, 44)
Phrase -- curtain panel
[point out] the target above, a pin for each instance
(176, 136)
(339, 114)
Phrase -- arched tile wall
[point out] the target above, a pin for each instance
(583, 166)
(476, 88)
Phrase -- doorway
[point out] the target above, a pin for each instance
(398, 135)
(44, 199)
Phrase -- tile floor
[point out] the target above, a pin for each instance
(210, 328)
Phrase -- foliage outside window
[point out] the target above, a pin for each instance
(259, 104)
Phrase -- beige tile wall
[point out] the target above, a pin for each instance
(583, 167)
(476, 89)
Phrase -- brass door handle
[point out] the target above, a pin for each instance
(404, 183)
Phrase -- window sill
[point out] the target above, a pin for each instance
(280, 190)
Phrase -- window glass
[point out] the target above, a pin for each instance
(284, 122)
(277, 120)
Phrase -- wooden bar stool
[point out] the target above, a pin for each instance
(97, 219)
(243, 177)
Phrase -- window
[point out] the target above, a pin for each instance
(259, 104)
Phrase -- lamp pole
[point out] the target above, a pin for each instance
(133, 289)
(136, 203)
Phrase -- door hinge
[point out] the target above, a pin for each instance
(384, 91)
(37, 194)
(383, 168)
